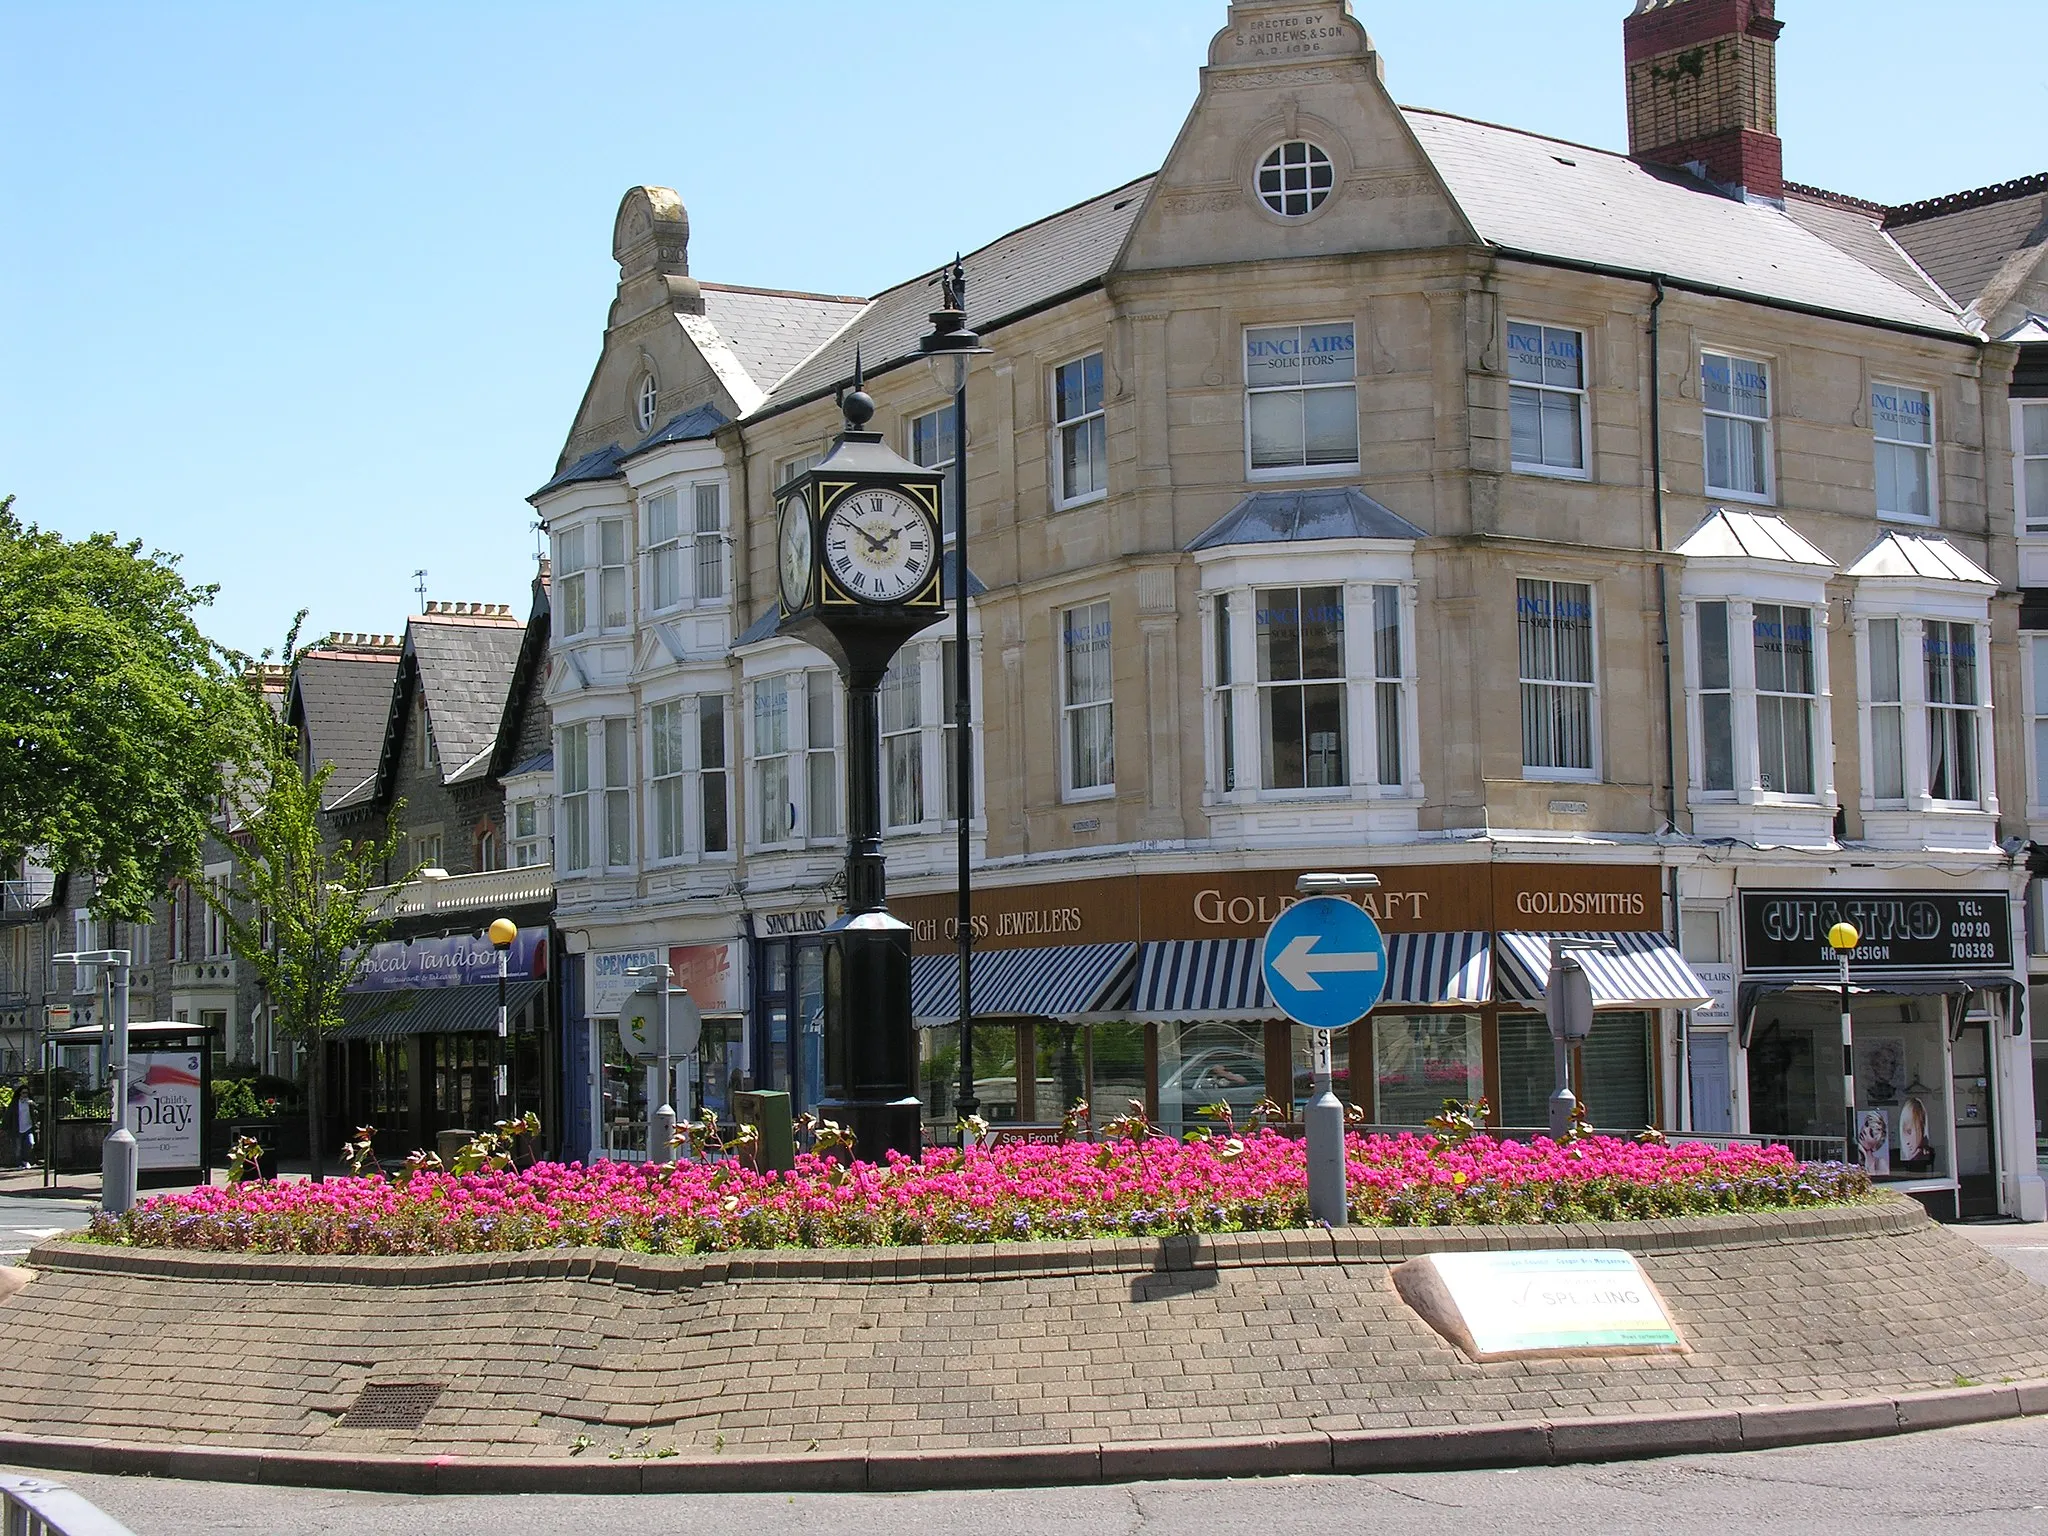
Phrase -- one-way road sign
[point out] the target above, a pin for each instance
(1325, 962)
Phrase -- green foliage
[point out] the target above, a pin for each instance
(117, 715)
(237, 1100)
(243, 1158)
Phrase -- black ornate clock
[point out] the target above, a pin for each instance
(857, 570)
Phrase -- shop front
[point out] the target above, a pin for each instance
(1146, 987)
(1936, 1027)
(623, 1087)
(418, 1050)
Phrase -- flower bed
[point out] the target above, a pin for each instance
(1012, 1193)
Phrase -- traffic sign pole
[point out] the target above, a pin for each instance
(1325, 965)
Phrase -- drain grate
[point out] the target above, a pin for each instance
(393, 1405)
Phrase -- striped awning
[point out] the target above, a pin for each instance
(1644, 970)
(1053, 981)
(396, 1015)
(1222, 978)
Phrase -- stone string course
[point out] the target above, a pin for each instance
(993, 1363)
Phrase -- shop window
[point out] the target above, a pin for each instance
(996, 1078)
(1421, 1059)
(1301, 399)
(1613, 1081)
(1204, 1064)
(1547, 399)
(1735, 398)
(1900, 1058)
(932, 442)
(2030, 467)
(1088, 727)
(1554, 622)
(1902, 422)
(1950, 651)
(1785, 693)
(1082, 430)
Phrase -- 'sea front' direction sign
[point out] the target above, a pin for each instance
(1325, 962)
(1505, 1306)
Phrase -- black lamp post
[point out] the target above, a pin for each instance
(950, 338)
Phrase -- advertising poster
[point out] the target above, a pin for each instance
(1874, 1141)
(163, 1108)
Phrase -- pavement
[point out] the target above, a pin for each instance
(2022, 1244)
(1993, 1477)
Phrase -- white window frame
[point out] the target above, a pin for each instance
(646, 401)
(214, 927)
(1303, 471)
(1701, 689)
(2030, 521)
(790, 468)
(1071, 711)
(1265, 689)
(823, 724)
(1816, 637)
(1941, 712)
(922, 447)
(661, 533)
(1929, 449)
(708, 582)
(571, 580)
(1093, 423)
(573, 793)
(1549, 773)
(1891, 700)
(1581, 395)
(668, 822)
(1914, 612)
(533, 848)
(714, 723)
(1312, 179)
(1743, 693)
(2034, 667)
(759, 761)
(1767, 423)
(616, 763)
(609, 570)
(905, 740)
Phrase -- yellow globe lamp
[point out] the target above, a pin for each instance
(504, 931)
(1842, 938)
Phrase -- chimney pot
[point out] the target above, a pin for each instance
(1703, 86)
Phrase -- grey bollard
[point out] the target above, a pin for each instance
(119, 1159)
(1328, 1200)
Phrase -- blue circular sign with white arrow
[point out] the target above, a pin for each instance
(1325, 963)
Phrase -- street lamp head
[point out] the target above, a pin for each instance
(1843, 937)
(949, 335)
(503, 932)
(1328, 884)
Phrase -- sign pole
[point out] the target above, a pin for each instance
(1328, 1200)
(119, 1156)
(1843, 939)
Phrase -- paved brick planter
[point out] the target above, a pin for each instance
(994, 1364)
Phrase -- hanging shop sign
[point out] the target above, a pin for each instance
(709, 973)
(1787, 931)
(463, 960)
(610, 980)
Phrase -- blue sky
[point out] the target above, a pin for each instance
(308, 293)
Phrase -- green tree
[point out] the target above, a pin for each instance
(299, 911)
(116, 714)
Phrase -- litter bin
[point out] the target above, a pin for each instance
(448, 1145)
(768, 1114)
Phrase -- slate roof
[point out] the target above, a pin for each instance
(1730, 535)
(464, 664)
(1920, 557)
(690, 427)
(599, 464)
(1022, 271)
(1963, 239)
(343, 699)
(540, 762)
(1286, 517)
(1543, 197)
(1857, 230)
(771, 332)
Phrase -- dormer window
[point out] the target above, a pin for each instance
(1295, 179)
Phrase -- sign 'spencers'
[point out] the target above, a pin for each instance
(1325, 962)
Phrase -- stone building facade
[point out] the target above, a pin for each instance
(1597, 544)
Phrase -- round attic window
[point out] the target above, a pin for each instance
(1295, 179)
(644, 400)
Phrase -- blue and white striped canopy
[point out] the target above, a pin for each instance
(1222, 978)
(1643, 971)
(1053, 981)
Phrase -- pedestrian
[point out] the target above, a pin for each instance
(25, 1122)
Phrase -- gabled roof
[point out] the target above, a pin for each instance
(1542, 197)
(1856, 229)
(1920, 557)
(1286, 517)
(692, 426)
(1024, 271)
(464, 666)
(529, 672)
(1730, 535)
(1965, 238)
(599, 464)
(2032, 329)
(770, 332)
(341, 698)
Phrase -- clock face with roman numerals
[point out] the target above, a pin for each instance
(880, 545)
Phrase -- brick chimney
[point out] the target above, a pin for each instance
(1703, 90)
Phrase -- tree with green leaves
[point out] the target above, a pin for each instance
(117, 715)
(300, 912)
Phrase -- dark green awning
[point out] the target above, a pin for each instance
(430, 1011)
